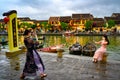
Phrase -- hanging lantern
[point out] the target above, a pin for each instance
(6, 19)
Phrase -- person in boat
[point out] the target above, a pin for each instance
(33, 62)
(98, 56)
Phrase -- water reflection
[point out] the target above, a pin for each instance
(14, 62)
(101, 69)
(113, 49)
(55, 40)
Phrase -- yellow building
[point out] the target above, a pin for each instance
(56, 21)
(98, 24)
(25, 20)
(78, 20)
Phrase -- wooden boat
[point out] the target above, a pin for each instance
(89, 49)
(68, 33)
(4, 42)
(75, 49)
(48, 49)
(52, 49)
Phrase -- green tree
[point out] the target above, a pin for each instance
(88, 25)
(104, 25)
(64, 26)
(22, 25)
(33, 26)
(111, 23)
(0, 27)
(45, 25)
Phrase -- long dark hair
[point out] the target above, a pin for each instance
(26, 32)
(106, 38)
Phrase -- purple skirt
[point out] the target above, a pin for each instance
(37, 62)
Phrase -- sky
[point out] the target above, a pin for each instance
(43, 9)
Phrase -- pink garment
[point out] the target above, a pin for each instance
(100, 51)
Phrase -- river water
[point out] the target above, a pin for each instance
(113, 49)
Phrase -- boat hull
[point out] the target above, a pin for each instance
(75, 49)
(89, 49)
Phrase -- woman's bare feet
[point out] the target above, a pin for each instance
(43, 75)
(22, 76)
(95, 61)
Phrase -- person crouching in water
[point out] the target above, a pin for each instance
(98, 56)
(33, 62)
